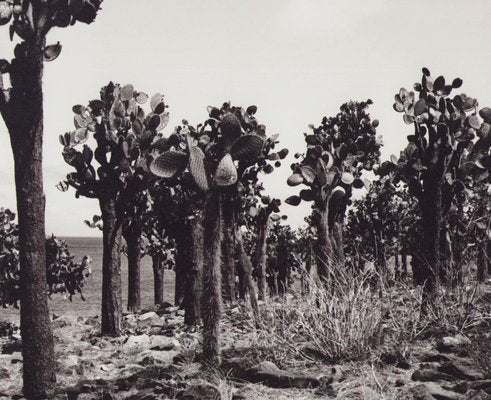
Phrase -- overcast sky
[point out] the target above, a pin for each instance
(297, 60)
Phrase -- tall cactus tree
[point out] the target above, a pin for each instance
(338, 150)
(177, 206)
(123, 135)
(227, 146)
(448, 151)
(21, 107)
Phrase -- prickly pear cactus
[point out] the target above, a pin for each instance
(124, 135)
(448, 154)
(338, 151)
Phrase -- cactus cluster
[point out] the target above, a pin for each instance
(451, 134)
(338, 150)
(123, 134)
(64, 275)
(218, 152)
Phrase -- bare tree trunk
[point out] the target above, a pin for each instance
(132, 236)
(261, 260)
(192, 296)
(212, 280)
(24, 118)
(111, 267)
(158, 279)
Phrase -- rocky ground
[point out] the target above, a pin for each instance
(158, 358)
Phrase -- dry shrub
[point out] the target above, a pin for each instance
(339, 319)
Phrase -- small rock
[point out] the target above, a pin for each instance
(461, 370)
(12, 347)
(452, 344)
(200, 392)
(477, 395)
(399, 382)
(148, 315)
(428, 374)
(71, 360)
(163, 343)
(137, 341)
(431, 390)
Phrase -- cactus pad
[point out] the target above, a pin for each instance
(247, 147)
(226, 173)
(197, 165)
(168, 164)
(294, 180)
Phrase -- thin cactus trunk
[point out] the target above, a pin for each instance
(228, 247)
(397, 264)
(111, 267)
(403, 261)
(183, 258)
(212, 277)
(158, 279)
(261, 260)
(282, 266)
(132, 236)
(245, 266)
(324, 245)
(192, 301)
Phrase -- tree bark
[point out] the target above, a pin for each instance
(261, 260)
(24, 118)
(132, 235)
(212, 280)
(192, 315)
(158, 279)
(111, 267)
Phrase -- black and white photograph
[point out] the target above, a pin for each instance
(245, 200)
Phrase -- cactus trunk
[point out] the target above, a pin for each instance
(282, 266)
(24, 119)
(245, 266)
(431, 211)
(212, 277)
(192, 297)
(132, 236)
(228, 247)
(261, 260)
(323, 246)
(158, 279)
(111, 267)
(183, 250)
